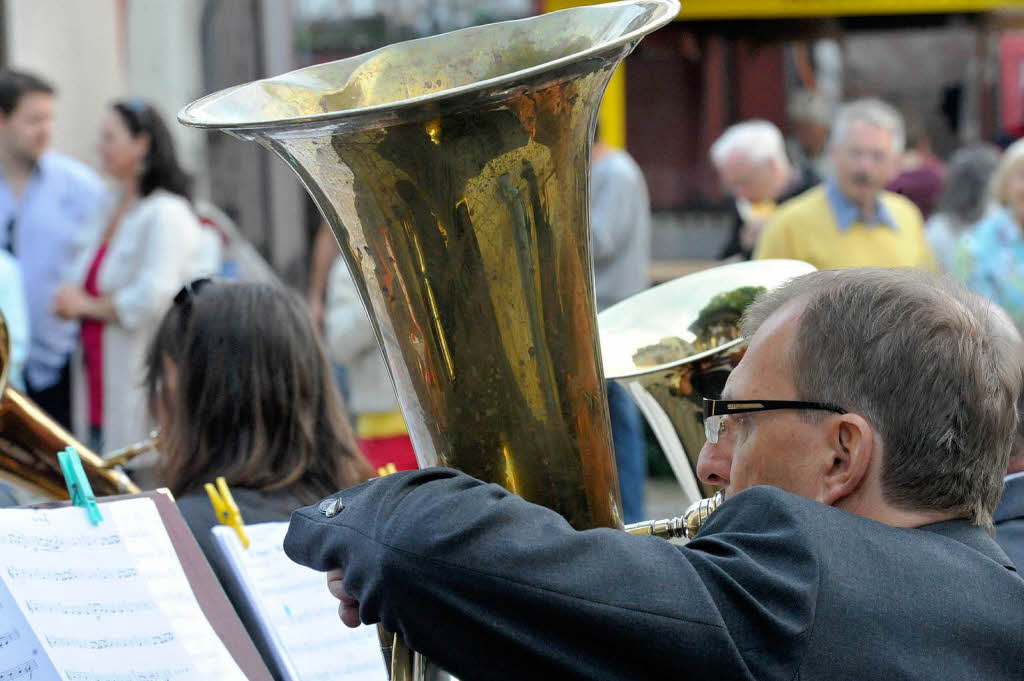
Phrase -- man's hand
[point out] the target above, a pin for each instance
(348, 611)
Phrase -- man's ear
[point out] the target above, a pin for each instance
(852, 443)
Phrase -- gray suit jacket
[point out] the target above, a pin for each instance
(1009, 519)
(775, 587)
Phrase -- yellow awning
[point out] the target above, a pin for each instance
(768, 9)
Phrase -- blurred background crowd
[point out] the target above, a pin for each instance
(866, 134)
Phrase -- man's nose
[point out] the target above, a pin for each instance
(714, 464)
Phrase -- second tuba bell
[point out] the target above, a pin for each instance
(673, 345)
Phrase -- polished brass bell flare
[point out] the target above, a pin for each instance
(685, 526)
(454, 172)
(30, 440)
(698, 312)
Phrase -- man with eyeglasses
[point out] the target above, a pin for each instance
(861, 444)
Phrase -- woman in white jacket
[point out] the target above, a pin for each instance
(140, 248)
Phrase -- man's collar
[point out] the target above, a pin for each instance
(1011, 505)
(847, 213)
(973, 536)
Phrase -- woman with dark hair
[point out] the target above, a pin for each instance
(140, 247)
(240, 386)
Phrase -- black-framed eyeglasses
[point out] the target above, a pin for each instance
(716, 410)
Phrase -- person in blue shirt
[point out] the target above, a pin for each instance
(45, 199)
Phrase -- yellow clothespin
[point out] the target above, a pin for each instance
(226, 509)
(386, 470)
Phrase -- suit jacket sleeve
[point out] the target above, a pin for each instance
(493, 587)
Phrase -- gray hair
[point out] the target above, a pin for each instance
(926, 363)
(757, 140)
(873, 112)
(965, 190)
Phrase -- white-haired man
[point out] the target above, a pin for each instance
(752, 165)
(850, 220)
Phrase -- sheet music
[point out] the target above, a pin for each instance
(21, 654)
(108, 602)
(297, 612)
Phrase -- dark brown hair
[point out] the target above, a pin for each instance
(16, 84)
(255, 399)
(160, 169)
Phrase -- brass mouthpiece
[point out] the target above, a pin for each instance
(686, 525)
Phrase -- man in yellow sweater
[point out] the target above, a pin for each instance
(850, 220)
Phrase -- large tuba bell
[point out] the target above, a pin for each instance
(30, 440)
(454, 173)
(673, 345)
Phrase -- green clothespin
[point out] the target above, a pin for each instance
(78, 484)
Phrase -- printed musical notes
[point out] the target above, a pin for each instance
(70, 574)
(39, 543)
(108, 602)
(160, 675)
(21, 672)
(94, 609)
(297, 614)
(21, 658)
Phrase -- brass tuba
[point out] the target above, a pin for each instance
(30, 440)
(673, 345)
(454, 173)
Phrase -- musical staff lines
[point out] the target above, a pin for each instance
(71, 574)
(157, 675)
(94, 609)
(20, 672)
(9, 638)
(53, 544)
(109, 602)
(299, 616)
(109, 643)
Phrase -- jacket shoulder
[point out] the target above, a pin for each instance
(763, 506)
